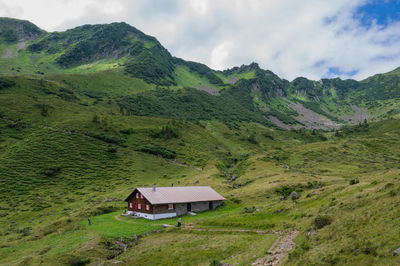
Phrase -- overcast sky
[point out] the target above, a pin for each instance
(310, 38)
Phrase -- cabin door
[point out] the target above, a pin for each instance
(210, 205)
(189, 207)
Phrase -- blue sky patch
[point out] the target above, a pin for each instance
(336, 72)
(382, 12)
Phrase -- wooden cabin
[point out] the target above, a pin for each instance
(164, 202)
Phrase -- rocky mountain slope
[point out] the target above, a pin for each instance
(302, 103)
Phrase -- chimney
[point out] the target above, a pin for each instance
(154, 187)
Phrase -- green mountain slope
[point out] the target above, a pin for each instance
(84, 119)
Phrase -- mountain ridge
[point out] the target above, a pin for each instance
(324, 104)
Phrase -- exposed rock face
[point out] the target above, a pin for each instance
(294, 195)
(14, 30)
(396, 252)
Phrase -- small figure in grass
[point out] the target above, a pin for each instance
(90, 220)
(179, 222)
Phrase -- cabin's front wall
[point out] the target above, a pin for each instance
(164, 208)
(144, 207)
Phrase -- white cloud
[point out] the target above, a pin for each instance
(292, 38)
(220, 54)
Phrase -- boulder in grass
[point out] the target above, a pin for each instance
(396, 252)
(294, 195)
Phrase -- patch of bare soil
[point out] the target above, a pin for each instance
(211, 91)
(232, 80)
(9, 53)
(279, 249)
(279, 123)
(311, 119)
(360, 114)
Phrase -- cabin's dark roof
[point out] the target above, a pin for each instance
(164, 195)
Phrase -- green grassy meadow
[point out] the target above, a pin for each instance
(79, 133)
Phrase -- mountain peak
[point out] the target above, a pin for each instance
(15, 30)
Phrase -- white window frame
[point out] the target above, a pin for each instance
(147, 207)
(130, 205)
(139, 206)
(137, 195)
(170, 206)
(141, 196)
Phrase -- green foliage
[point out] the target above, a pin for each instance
(285, 190)
(354, 181)
(51, 171)
(202, 70)
(154, 65)
(9, 35)
(188, 104)
(45, 109)
(171, 130)
(252, 139)
(6, 83)
(322, 221)
(159, 151)
(78, 261)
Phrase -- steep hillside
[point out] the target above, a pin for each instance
(88, 114)
(118, 47)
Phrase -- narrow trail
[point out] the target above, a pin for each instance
(279, 249)
(260, 232)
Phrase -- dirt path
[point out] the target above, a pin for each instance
(260, 232)
(118, 217)
(279, 249)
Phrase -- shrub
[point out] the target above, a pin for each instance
(95, 119)
(78, 261)
(44, 109)
(158, 150)
(252, 139)
(354, 181)
(249, 210)
(112, 150)
(127, 131)
(108, 139)
(285, 190)
(6, 83)
(214, 262)
(51, 170)
(322, 221)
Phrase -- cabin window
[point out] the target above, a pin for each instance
(130, 205)
(139, 206)
(137, 195)
(147, 207)
(170, 206)
(141, 196)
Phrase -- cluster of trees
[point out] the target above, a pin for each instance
(192, 105)
(202, 70)
(153, 65)
(6, 83)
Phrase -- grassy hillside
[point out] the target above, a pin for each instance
(84, 120)
(67, 154)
